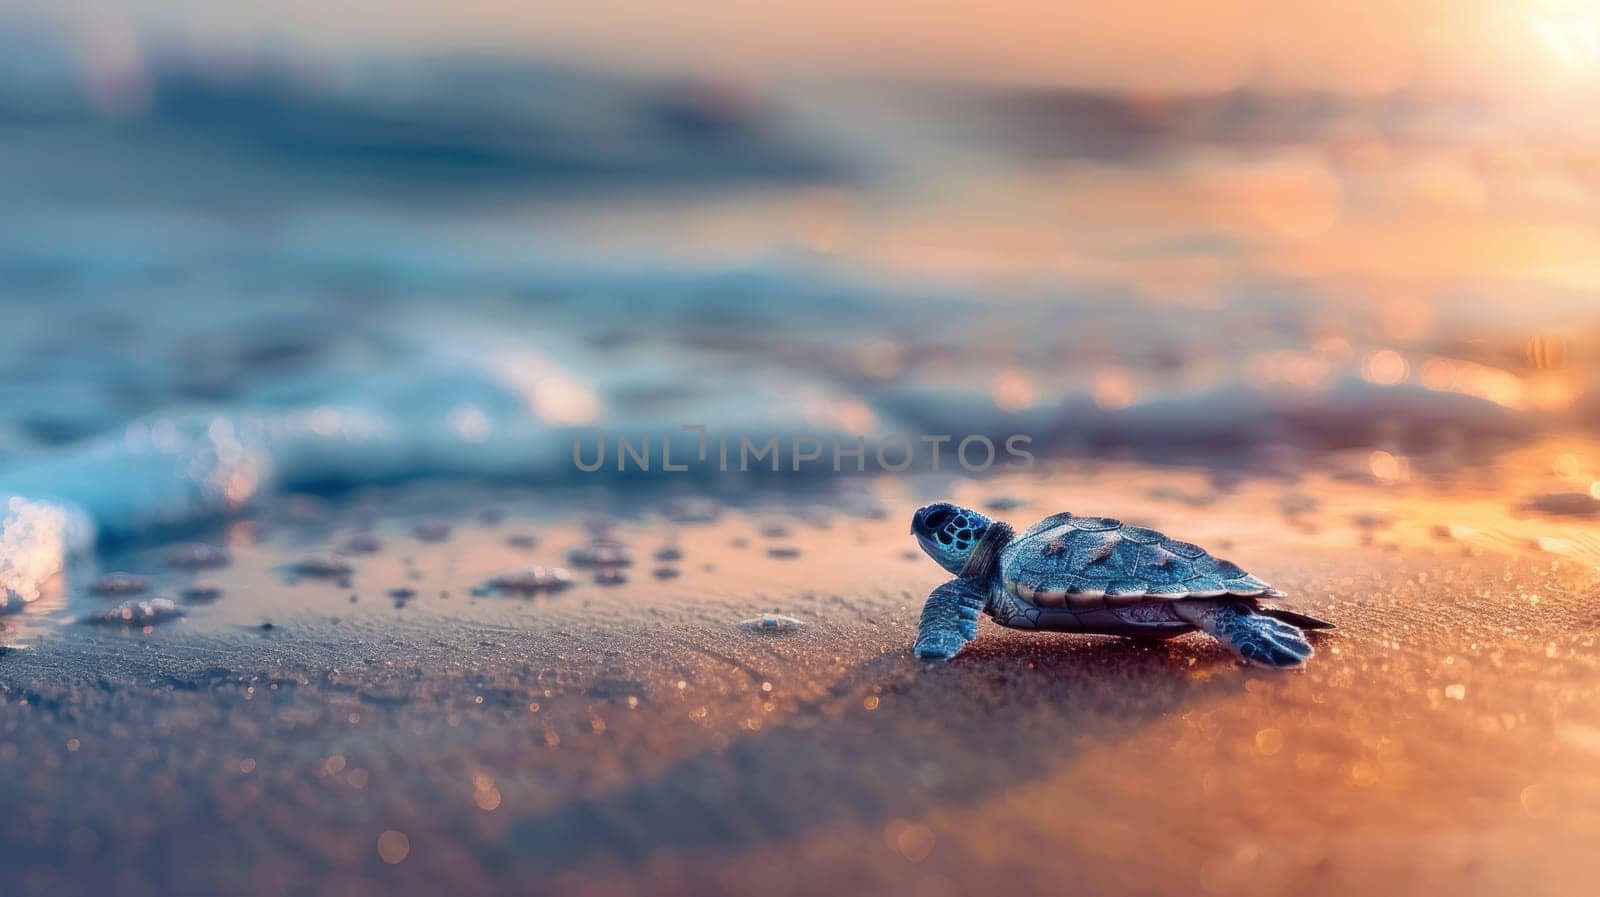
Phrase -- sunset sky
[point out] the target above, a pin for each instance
(1520, 47)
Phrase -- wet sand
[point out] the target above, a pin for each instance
(418, 738)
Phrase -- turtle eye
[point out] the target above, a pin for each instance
(936, 518)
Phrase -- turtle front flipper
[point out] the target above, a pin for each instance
(1255, 638)
(949, 619)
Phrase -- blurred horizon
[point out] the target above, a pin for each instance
(1384, 194)
(1528, 51)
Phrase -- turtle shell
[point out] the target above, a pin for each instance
(1086, 563)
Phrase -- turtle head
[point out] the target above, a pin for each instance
(951, 535)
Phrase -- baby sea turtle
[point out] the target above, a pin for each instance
(1095, 575)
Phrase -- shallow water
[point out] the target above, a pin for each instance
(1348, 344)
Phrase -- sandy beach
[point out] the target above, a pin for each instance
(640, 739)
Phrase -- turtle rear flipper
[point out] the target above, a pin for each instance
(1294, 618)
(949, 619)
(1253, 637)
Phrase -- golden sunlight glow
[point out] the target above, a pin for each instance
(1013, 391)
(1385, 367)
(1570, 30)
(1113, 390)
(1387, 467)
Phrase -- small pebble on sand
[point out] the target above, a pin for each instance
(324, 564)
(772, 623)
(146, 612)
(201, 593)
(530, 580)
